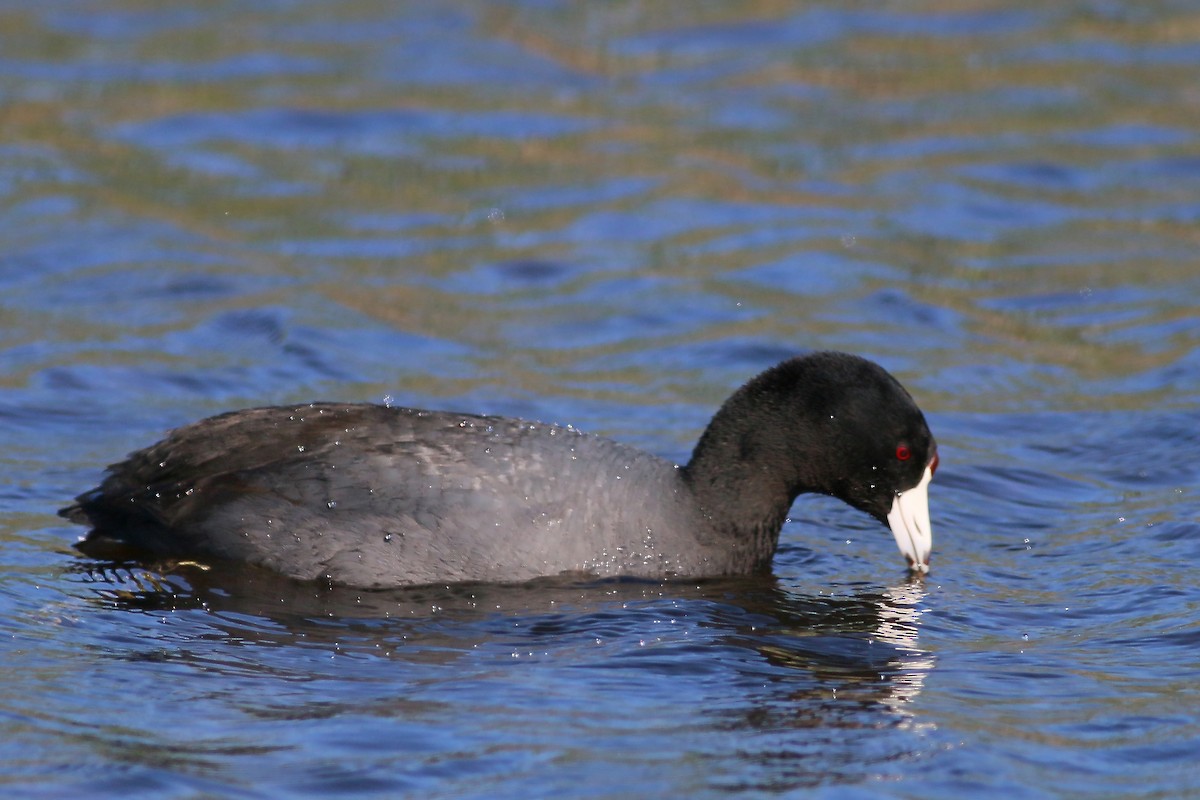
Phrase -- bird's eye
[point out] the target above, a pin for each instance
(903, 453)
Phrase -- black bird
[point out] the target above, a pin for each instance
(373, 496)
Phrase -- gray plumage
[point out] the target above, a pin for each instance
(374, 496)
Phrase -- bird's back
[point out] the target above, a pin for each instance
(376, 496)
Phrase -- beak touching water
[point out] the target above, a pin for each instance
(909, 521)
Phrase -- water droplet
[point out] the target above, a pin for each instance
(300, 447)
(331, 504)
(387, 401)
(387, 537)
(1025, 636)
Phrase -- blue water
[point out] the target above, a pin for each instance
(612, 214)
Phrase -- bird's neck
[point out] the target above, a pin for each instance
(743, 509)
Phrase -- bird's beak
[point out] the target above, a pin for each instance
(909, 521)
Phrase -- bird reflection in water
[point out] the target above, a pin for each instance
(899, 620)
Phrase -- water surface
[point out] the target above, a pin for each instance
(611, 215)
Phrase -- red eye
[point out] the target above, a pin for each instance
(903, 453)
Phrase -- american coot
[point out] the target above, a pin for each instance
(372, 496)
